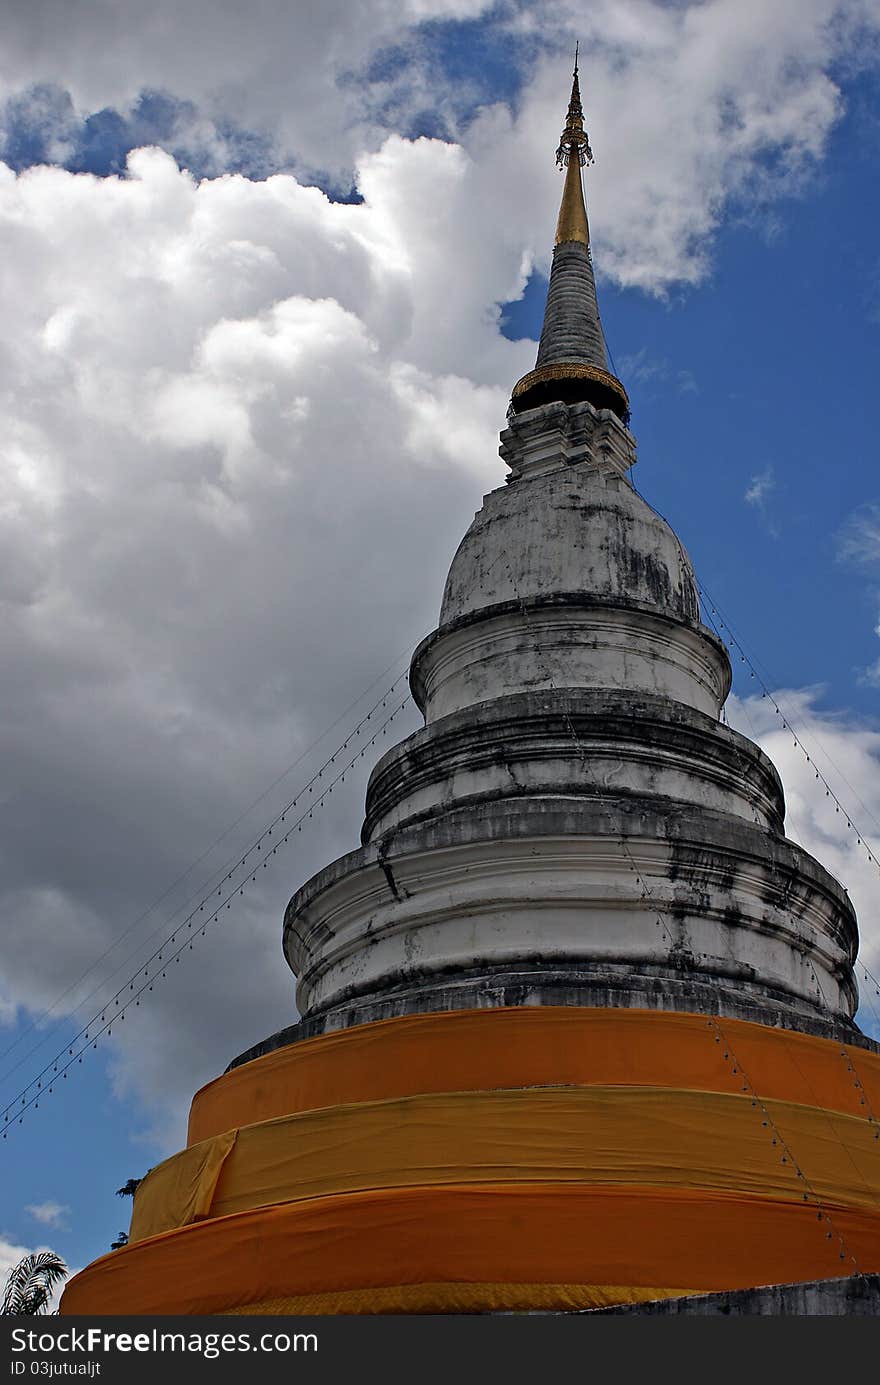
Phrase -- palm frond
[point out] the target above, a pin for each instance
(30, 1283)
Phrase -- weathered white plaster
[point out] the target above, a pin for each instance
(575, 528)
(570, 645)
(573, 825)
(586, 745)
(540, 439)
(563, 898)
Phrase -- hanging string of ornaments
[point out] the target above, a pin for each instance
(778, 1141)
(719, 624)
(205, 888)
(219, 878)
(210, 910)
(710, 612)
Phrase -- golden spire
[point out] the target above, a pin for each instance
(574, 151)
(572, 364)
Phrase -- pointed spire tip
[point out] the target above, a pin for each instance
(574, 138)
(573, 152)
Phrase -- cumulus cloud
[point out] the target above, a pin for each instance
(237, 460)
(48, 1213)
(690, 106)
(294, 71)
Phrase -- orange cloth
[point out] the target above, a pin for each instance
(641, 1136)
(187, 1182)
(625, 1161)
(478, 1246)
(477, 1050)
(462, 1298)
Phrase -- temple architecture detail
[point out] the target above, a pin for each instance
(576, 1017)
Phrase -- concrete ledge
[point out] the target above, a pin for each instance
(571, 744)
(857, 1296)
(545, 883)
(568, 639)
(656, 992)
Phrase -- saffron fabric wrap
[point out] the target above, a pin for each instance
(477, 1050)
(509, 1159)
(626, 1136)
(465, 1249)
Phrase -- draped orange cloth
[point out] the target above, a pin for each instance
(552, 1158)
(531, 1047)
(634, 1136)
(475, 1249)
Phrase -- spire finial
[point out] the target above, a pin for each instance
(574, 151)
(574, 136)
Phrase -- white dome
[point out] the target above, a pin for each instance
(577, 530)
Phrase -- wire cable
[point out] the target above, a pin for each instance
(219, 874)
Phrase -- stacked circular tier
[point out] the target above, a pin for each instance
(548, 1158)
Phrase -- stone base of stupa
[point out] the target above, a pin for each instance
(855, 1297)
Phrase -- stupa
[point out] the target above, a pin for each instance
(577, 1017)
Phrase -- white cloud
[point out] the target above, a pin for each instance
(230, 432)
(760, 487)
(689, 105)
(859, 538)
(656, 371)
(10, 1255)
(858, 541)
(287, 69)
(871, 675)
(48, 1213)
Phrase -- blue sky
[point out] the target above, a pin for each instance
(750, 354)
(768, 371)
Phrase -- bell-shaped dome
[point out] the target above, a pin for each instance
(577, 531)
(568, 579)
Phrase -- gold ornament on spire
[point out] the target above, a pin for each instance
(574, 136)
